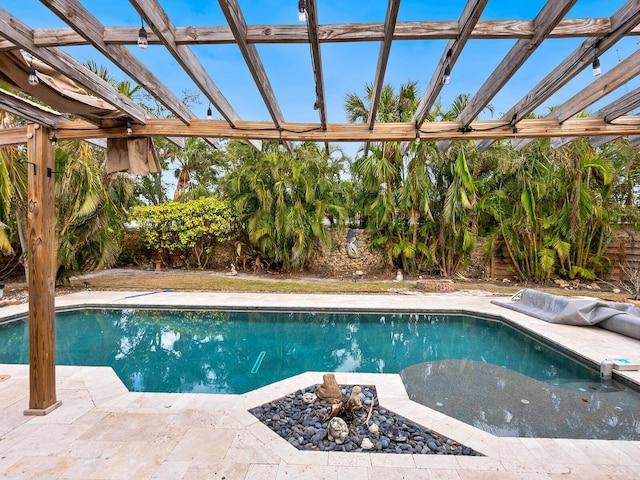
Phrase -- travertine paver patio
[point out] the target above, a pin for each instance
(102, 431)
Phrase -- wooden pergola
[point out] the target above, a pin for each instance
(562, 124)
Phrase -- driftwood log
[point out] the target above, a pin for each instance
(329, 390)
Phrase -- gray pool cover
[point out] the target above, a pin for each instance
(623, 318)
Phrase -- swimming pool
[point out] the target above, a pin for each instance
(238, 351)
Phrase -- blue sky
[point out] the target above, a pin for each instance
(346, 67)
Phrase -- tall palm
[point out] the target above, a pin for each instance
(196, 167)
(91, 209)
(283, 200)
(382, 173)
(13, 191)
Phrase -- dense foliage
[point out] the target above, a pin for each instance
(283, 200)
(551, 211)
(189, 230)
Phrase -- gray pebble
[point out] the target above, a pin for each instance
(304, 426)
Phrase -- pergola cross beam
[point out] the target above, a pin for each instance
(468, 21)
(550, 15)
(331, 33)
(238, 25)
(21, 35)
(622, 22)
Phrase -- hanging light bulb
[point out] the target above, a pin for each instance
(33, 76)
(446, 78)
(209, 113)
(417, 136)
(302, 10)
(129, 129)
(596, 67)
(143, 42)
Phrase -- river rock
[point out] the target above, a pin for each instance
(337, 431)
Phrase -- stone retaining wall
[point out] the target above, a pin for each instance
(333, 261)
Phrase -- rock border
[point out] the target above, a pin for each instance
(304, 426)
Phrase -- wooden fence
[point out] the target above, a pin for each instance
(625, 247)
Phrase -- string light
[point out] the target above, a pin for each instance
(302, 10)
(596, 70)
(446, 78)
(596, 67)
(280, 142)
(33, 76)
(143, 42)
(129, 129)
(209, 113)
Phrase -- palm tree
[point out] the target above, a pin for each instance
(382, 173)
(91, 209)
(196, 168)
(283, 200)
(13, 192)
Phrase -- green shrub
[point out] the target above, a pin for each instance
(189, 230)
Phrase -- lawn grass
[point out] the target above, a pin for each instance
(204, 281)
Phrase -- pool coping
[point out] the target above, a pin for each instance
(502, 454)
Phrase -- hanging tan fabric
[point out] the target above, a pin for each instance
(135, 155)
(54, 89)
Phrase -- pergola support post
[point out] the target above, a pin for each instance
(41, 261)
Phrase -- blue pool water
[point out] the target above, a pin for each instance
(234, 352)
(238, 351)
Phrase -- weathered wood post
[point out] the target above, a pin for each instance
(42, 270)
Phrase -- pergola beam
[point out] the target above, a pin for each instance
(608, 82)
(20, 34)
(549, 16)
(596, 142)
(164, 29)
(90, 28)
(605, 84)
(468, 21)
(238, 26)
(28, 110)
(622, 22)
(617, 108)
(159, 22)
(316, 60)
(383, 58)
(32, 112)
(332, 33)
(350, 132)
